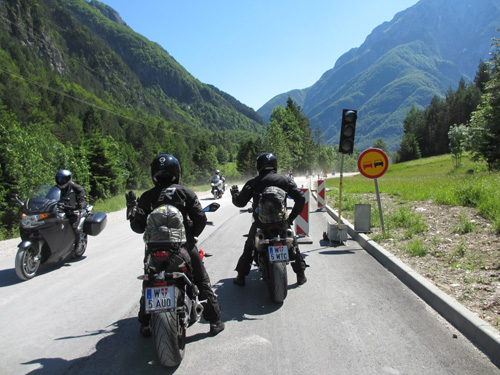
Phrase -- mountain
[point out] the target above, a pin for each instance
(422, 53)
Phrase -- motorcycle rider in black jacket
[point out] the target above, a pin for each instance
(267, 166)
(166, 173)
(72, 201)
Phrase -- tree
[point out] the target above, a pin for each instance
(294, 144)
(485, 122)
(408, 148)
(458, 135)
(105, 161)
(247, 156)
(222, 155)
(279, 145)
(205, 158)
(482, 76)
(328, 157)
(380, 144)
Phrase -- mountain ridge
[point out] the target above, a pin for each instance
(421, 53)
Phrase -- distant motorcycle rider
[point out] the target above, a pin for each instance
(267, 167)
(166, 174)
(217, 176)
(73, 200)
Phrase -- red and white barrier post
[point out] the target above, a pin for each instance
(321, 194)
(302, 221)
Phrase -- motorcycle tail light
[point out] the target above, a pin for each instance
(160, 283)
(162, 256)
(202, 254)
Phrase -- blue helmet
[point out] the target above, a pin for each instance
(63, 178)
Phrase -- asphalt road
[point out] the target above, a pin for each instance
(351, 317)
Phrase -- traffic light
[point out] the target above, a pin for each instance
(347, 130)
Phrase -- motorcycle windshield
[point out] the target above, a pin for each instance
(43, 199)
(47, 191)
(215, 179)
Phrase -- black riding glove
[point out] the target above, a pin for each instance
(234, 190)
(131, 204)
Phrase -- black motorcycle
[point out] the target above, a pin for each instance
(46, 233)
(275, 245)
(169, 293)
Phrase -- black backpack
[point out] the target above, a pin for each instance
(272, 205)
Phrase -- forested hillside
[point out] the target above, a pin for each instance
(81, 90)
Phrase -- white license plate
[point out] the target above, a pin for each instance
(159, 298)
(278, 254)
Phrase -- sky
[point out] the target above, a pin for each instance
(257, 49)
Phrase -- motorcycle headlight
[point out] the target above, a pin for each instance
(31, 221)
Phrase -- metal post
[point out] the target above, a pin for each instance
(340, 191)
(379, 206)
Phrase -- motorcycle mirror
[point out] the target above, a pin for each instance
(212, 207)
(15, 198)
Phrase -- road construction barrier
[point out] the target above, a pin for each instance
(302, 221)
(321, 194)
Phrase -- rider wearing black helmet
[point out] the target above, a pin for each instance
(166, 175)
(72, 201)
(267, 166)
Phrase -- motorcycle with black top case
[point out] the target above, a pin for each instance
(46, 233)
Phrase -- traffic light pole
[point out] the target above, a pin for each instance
(340, 191)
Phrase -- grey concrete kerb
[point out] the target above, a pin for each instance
(481, 333)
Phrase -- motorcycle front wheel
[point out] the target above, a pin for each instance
(78, 253)
(27, 263)
(169, 335)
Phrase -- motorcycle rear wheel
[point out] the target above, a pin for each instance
(27, 263)
(277, 281)
(169, 335)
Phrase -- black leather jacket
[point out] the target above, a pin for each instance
(179, 196)
(254, 187)
(73, 197)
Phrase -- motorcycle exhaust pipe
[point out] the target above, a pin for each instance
(259, 238)
(197, 311)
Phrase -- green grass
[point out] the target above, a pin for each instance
(113, 204)
(435, 179)
(416, 248)
(464, 225)
(404, 217)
